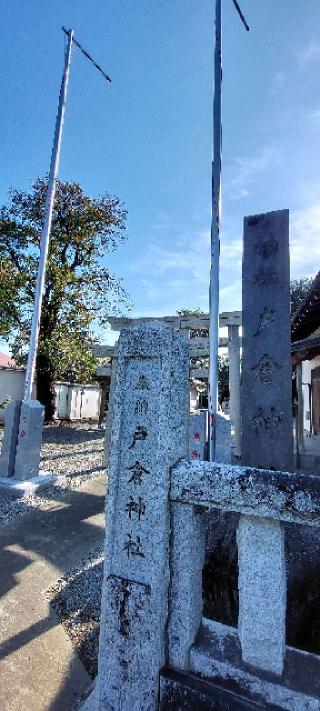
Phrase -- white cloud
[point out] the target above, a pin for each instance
(313, 117)
(179, 274)
(278, 81)
(309, 54)
(305, 241)
(187, 255)
(244, 171)
(162, 222)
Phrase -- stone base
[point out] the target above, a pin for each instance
(10, 438)
(216, 657)
(15, 488)
(29, 440)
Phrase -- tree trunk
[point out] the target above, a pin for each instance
(45, 385)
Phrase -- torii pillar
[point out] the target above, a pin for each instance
(233, 323)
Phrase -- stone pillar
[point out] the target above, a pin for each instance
(107, 439)
(188, 546)
(223, 439)
(300, 411)
(234, 387)
(262, 593)
(10, 438)
(29, 440)
(150, 432)
(198, 431)
(266, 407)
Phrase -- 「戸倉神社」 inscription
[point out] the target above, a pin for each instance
(266, 368)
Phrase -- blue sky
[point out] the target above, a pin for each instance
(147, 137)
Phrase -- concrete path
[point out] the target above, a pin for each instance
(38, 669)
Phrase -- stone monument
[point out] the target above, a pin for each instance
(149, 434)
(198, 435)
(266, 369)
(266, 410)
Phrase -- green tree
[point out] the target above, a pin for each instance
(9, 288)
(223, 378)
(299, 289)
(80, 292)
(196, 333)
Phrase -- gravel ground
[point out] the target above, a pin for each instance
(72, 449)
(76, 598)
(72, 452)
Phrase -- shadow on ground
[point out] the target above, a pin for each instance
(60, 536)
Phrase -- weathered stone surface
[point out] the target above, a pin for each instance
(262, 593)
(107, 440)
(266, 408)
(217, 655)
(198, 431)
(188, 544)
(129, 662)
(303, 586)
(283, 496)
(29, 440)
(10, 438)
(220, 572)
(150, 432)
(223, 439)
(182, 692)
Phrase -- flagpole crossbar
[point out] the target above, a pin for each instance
(241, 15)
(86, 54)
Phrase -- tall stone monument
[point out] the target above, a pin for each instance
(266, 440)
(266, 371)
(149, 434)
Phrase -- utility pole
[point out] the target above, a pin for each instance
(215, 231)
(45, 236)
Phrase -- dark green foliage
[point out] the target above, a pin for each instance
(299, 289)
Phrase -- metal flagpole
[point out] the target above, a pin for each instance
(215, 240)
(215, 231)
(44, 244)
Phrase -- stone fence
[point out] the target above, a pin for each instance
(255, 654)
(154, 642)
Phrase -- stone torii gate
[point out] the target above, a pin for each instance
(198, 348)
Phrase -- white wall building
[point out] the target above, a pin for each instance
(73, 400)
